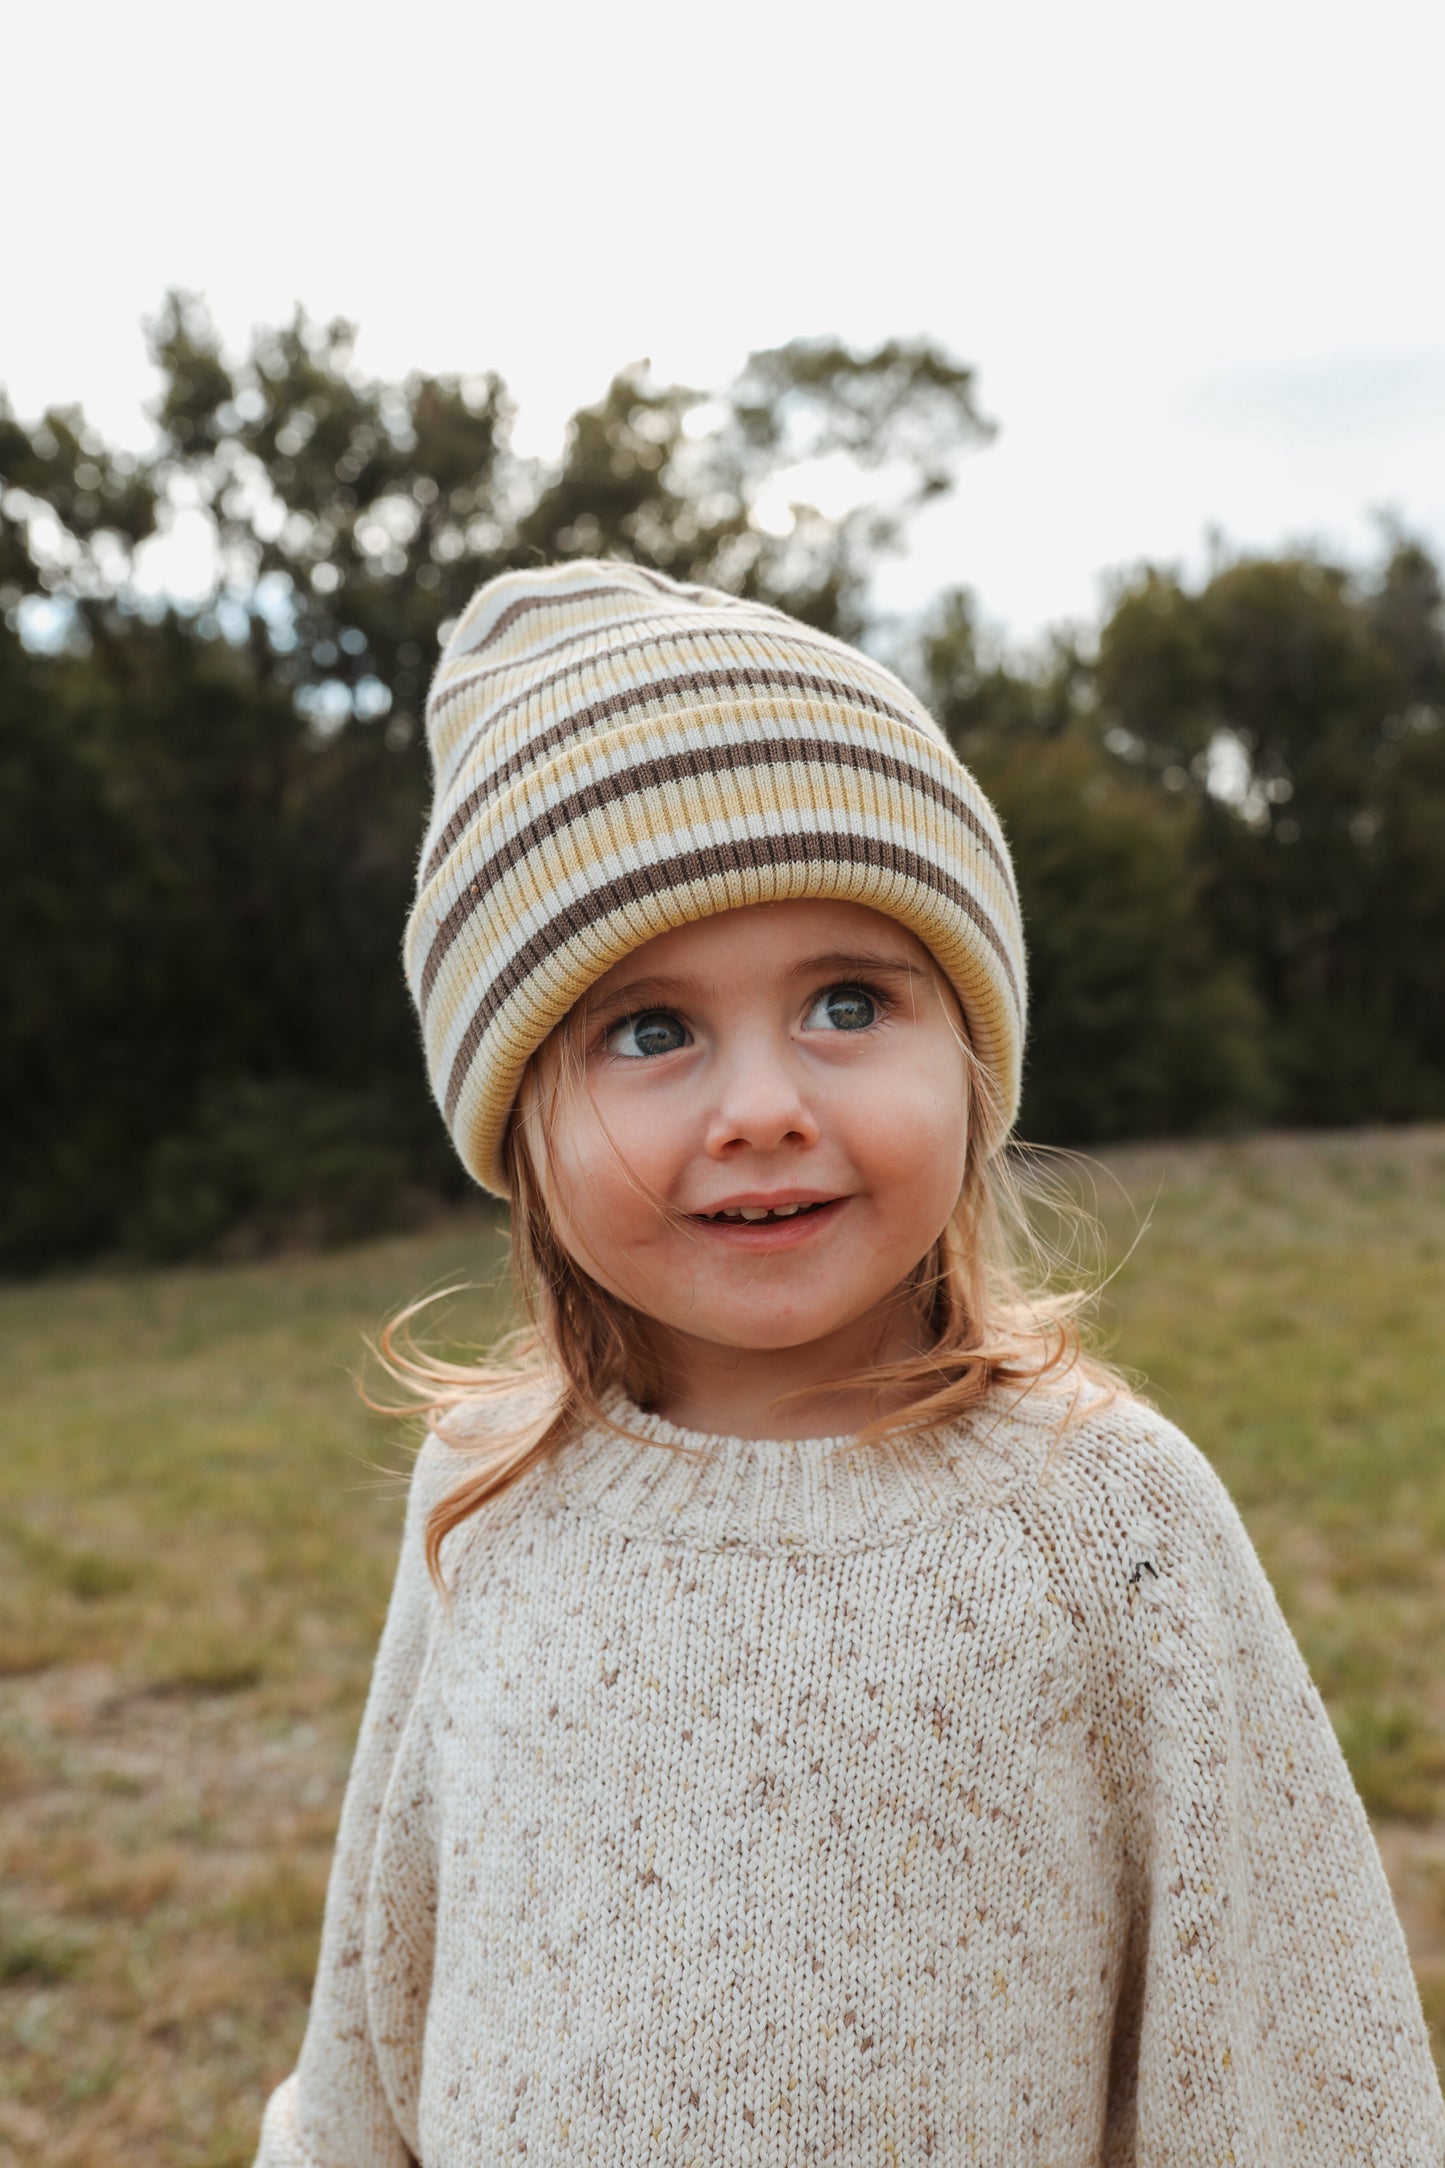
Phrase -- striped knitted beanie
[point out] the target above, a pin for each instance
(614, 755)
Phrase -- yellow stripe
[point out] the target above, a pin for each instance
(840, 797)
(676, 649)
(619, 751)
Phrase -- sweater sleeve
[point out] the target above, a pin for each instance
(333, 2112)
(1267, 2012)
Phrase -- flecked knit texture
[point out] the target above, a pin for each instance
(614, 755)
(964, 1802)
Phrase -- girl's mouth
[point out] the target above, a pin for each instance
(754, 1214)
(770, 1226)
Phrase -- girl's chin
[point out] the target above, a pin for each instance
(762, 1330)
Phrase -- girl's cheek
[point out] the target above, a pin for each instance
(652, 1130)
(911, 1113)
(611, 1174)
(916, 1168)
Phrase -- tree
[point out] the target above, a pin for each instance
(216, 812)
(1289, 700)
(1139, 1026)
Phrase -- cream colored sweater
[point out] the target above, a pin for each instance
(963, 1803)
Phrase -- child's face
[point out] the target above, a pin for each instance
(785, 1055)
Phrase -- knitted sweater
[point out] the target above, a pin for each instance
(965, 1802)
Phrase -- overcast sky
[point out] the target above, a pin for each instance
(1194, 252)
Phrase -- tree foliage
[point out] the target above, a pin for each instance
(1141, 1024)
(1227, 811)
(213, 814)
(1312, 701)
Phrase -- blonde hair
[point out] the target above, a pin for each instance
(982, 1296)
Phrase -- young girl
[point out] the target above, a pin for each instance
(821, 1717)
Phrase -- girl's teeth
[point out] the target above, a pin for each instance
(761, 1212)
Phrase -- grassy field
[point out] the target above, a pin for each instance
(197, 1530)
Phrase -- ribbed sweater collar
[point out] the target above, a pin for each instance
(662, 1483)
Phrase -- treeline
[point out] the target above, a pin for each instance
(1227, 805)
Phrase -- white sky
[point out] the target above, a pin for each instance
(1194, 252)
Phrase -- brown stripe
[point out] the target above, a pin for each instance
(517, 609)
(670, 636)
(666, 585)
(742, 677)
(695, 591)
(694, 766)
(749, 853)
(679, 628)
(443, 699)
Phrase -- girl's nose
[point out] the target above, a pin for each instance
(759, 1106)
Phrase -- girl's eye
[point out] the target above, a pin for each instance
(656, 1031)
(843, 1008)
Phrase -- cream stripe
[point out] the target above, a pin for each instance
(580, 588)
(610, 759)
(475, 687)
(593, 605)
(465, 733)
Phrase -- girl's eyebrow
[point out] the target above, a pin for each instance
(849, 962)
(641, 991)
(843, 963)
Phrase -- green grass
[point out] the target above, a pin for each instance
(193, 1491)
(198, 1523)
(1285, 1308)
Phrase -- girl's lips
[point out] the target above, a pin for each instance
(780, 1234)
